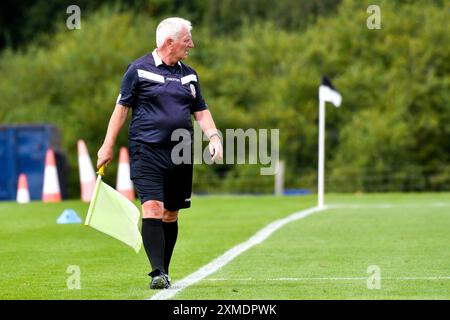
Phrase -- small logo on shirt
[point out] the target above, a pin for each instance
(172, 79)
(187, 200)
(192, 90)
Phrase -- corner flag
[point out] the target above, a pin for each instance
(112, 213)
(328, 93)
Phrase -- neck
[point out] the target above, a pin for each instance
(166, 57)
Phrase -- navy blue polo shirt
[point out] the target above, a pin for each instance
(162, 98)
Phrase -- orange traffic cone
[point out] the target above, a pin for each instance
(87, 173)
(23, 195)
(51, 191)
(124, 184)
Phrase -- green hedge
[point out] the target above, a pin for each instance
(394, 81)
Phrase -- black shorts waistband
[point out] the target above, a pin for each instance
(160, 145)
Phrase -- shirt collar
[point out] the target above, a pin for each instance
(158, 60)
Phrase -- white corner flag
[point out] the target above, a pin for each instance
(327, 93)
(112, 213)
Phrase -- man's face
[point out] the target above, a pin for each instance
(182, 45)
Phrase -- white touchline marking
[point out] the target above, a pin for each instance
(387, 205)
(264, 233)
(328, 279)
(228, 256)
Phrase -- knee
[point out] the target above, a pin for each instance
(170, 216)
(153, 209)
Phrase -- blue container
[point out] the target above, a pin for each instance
(296, 192)
(22, 150)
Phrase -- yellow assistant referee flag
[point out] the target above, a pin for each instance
(112, 213)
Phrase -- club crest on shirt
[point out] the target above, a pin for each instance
(192, 90)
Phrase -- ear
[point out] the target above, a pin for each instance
(168, 42)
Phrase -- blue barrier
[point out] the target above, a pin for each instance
(296, 192)
(22, 150)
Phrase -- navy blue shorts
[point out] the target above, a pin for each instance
(156, 177)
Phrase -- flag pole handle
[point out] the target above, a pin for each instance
(101, 171)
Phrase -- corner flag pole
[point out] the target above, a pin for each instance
(321, 168)
(327, 93)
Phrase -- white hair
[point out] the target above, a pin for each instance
(169, 28)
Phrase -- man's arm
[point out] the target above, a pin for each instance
(206, 122)
(118, 118)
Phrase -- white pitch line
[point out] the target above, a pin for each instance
(228, 256)
(263, 234)
(328, 279)
(388, 205)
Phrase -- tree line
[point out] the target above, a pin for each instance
(395, 116)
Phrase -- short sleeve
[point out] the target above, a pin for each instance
(199, 103)
(128, 88)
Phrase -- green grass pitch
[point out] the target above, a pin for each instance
(323, 256)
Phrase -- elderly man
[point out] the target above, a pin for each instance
(162, 92)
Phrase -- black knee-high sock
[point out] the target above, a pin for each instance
(170, 236)
(153, 240)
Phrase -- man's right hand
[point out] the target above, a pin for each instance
(105, 155)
